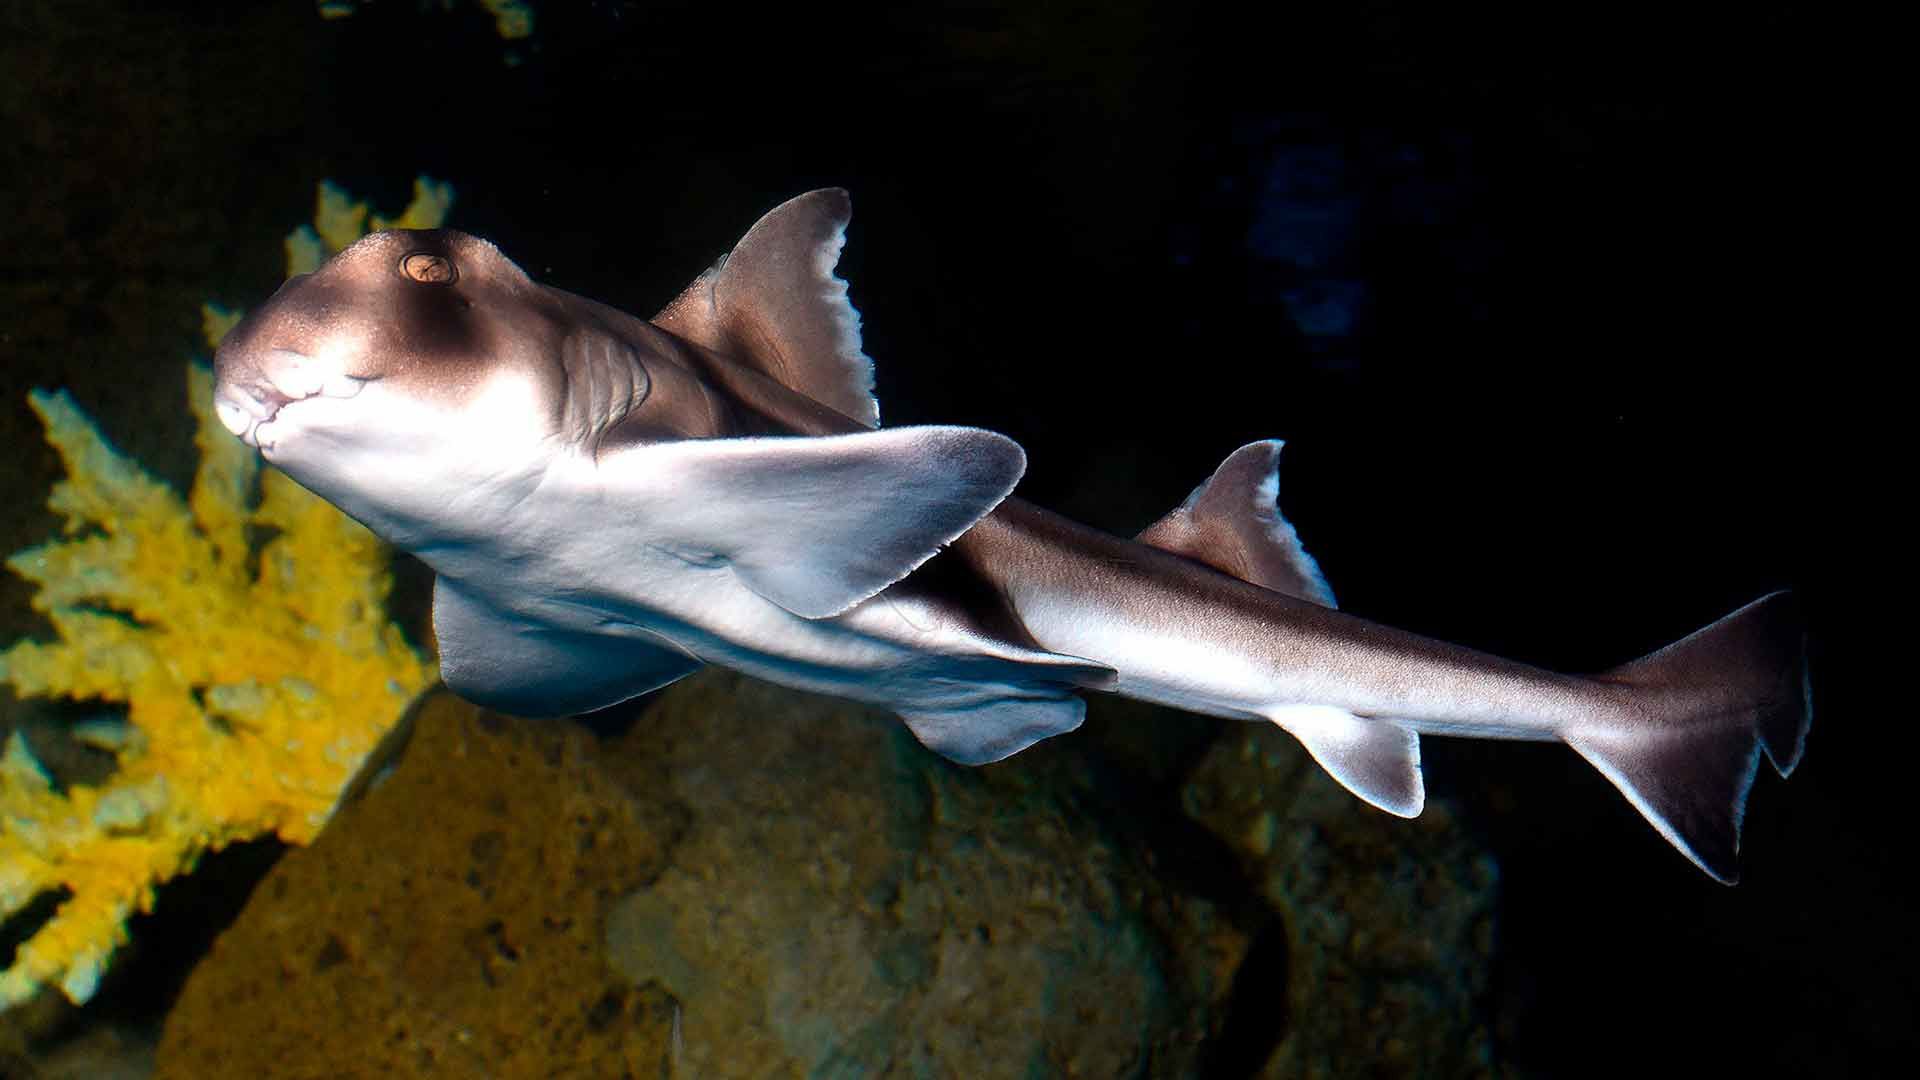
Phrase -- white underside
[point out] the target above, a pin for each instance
(544, 534)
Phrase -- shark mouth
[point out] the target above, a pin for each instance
(284, 378)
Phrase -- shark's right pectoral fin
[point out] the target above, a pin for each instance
(493, 659)
(1375, 759)
(815, 525)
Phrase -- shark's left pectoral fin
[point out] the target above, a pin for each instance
(817, 525)
(1001, 699)
(493, 659)
(985, 731)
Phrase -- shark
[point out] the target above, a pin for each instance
(610, 503)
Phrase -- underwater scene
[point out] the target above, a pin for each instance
(647, 538)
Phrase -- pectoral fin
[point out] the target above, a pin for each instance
(817, 525)
(492, 659)
(980, 732)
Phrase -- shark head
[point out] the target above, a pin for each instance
(434, 315)
(411, 362)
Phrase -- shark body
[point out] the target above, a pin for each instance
(610, 502)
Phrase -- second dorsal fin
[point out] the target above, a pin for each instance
(1233, 524)
(774, 304)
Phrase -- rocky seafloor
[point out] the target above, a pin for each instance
(753, 882)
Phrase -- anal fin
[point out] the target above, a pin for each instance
(1378, 760)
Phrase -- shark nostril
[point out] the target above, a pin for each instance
(292, 375)
(287, 375)
(233, 417)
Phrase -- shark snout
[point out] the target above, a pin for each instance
(253, 389)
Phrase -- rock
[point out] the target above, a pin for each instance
(751, 882)
(1388, 921)
(447, 923)
(96, 1050)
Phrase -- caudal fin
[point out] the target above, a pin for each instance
(1700, 714)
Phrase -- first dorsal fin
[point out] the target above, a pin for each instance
(774, 304)
(1233, 524)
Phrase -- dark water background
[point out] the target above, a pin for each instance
(1540, 301)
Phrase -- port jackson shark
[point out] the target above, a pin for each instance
(611, 502)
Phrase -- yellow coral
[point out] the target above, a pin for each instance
(253, 694)
(253, 697)
(512, 19)
(338, 221)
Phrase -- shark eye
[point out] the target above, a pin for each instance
(428, 269)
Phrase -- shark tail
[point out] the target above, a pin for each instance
(1701, 712)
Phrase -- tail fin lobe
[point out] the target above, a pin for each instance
(1702, 711)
